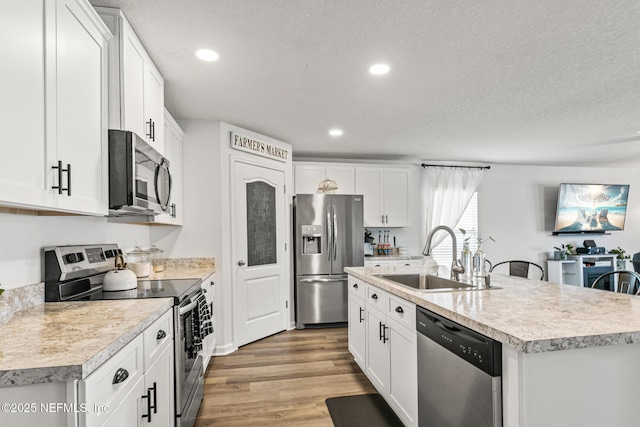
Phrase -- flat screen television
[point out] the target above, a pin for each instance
(591, 208)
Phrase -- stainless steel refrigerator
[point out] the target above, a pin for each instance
(329, 235)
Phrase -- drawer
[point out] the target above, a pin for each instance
(156, 337)
(408, 263)
(357, 287)
(376, 297)
(373, 263)
(99, 388)
(402, 311)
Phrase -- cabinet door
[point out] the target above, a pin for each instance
(209, 342)
(25, 170)
(307, 177)
(158, 406)
(344, 176)
(403, 373)
(80, 115)
(173, 151)
(377, 355)
(369, 183)
(127, 413)
(154, 106)
(357, 330)
(396, 197)
(133, 77)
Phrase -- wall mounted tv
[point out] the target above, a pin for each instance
(591, 208)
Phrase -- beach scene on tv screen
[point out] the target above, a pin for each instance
(586, 207)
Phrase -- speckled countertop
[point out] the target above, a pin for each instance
(63, 341)
(531, 315)
(392, 257)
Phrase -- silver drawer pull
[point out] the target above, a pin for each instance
(374, 296)
(399, 309)
(161, 334)
(121, 375)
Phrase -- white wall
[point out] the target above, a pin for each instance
(200, 234)
(24, 236)
(517, 204)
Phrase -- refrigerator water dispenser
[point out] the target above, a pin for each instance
(311, 239)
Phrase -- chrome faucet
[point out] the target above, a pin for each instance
(456, 268)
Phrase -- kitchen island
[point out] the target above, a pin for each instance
(569, 354)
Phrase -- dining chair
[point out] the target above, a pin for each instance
(628, 282)
(520, 268)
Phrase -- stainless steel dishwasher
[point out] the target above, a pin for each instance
(459, 375)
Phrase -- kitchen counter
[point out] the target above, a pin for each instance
(64, 341)
(185, 268)
(392, 257)
(532, 316)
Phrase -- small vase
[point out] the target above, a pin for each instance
(621, 264)
(466, 258)
(5, 311)
(479, 258)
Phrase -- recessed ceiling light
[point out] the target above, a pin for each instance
(379, 69)
(207, 55)
(335, 132)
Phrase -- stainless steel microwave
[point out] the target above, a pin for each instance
(139, 176)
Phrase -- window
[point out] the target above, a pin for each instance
(468, 222)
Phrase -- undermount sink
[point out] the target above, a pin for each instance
(430, 283)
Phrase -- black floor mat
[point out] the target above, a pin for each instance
(364, 410)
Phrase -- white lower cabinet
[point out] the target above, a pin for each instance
(389, 339)
(209, 342)
(392, 263)
(357, 322)
(135, 387)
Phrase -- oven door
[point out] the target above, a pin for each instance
(189, 365)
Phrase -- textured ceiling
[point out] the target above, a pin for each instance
(511, 81)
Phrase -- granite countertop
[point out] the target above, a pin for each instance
(531, 315)
(392, 257)
(185, 268)
(63, 341)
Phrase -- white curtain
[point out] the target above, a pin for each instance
(447, 192)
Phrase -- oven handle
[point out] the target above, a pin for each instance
(187, 308)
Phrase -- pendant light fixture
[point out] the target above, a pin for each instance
(327, 186)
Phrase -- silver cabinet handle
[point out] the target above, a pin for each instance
(161, 334)
(386, 219)
(120, 375)
(383, 219)
(241, 263)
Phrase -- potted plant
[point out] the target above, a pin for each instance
(5, 309)
(563, 251)
(621, 258)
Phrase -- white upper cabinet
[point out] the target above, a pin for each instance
(55, 100)
(308, 175)
(136, 87)
(386, 195)
(173, 148)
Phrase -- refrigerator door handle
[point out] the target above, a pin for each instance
(323, 280)
(329, 229)
(334, 238)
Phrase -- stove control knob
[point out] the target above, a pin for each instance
(70, 258)
(109, 253)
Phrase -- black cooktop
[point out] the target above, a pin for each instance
(167, 288)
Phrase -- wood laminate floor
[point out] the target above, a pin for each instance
(282, 380)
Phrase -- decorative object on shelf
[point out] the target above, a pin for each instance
(621, 258)
(479, 259)
(563, 251)
(327, 186)
(466, 257)
(5, 310)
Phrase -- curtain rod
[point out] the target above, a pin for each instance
(424, 165)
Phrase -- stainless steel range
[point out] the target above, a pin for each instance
(75, 273)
